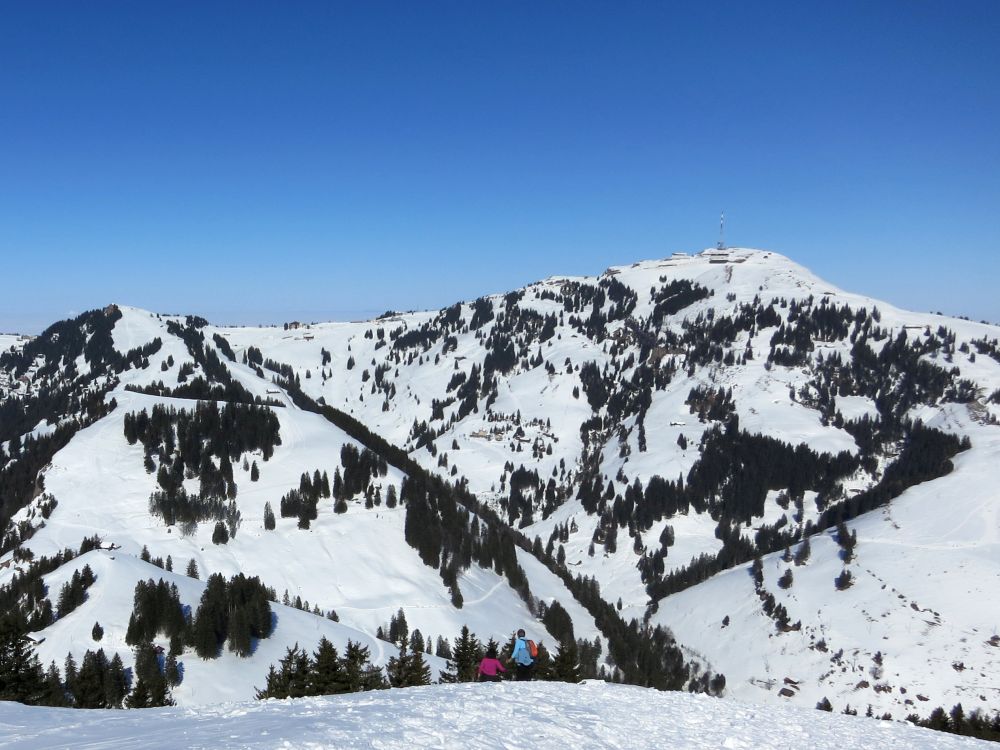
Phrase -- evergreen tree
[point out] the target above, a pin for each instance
(73, 592)
(115, 683)
(134, 633)
(397, 668)
(565, 665)
(291, 678)
(847, 541)
(844, 581)
(327, 675)
(298, 673)
(557, 621)
(359, 672)
(273, 686)
(957, 718)
(147, 662)
(240, 639)
(21, 675)
(938, 720)
(97, 632)
(151, 688)
(418, 672)
(304, 517)
(54, 693)
(757, 571)
(466, 655)
(416, 640)
(442, 648)
(70, 673)
(220, 535)
(803, 552)
(140, 697)
(398, 629)
(89, 689)
(542, 668)
(269, 521)
(211, 619)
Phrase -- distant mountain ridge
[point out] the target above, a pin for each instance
(721, 444)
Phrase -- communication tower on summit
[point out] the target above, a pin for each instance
(721, 245)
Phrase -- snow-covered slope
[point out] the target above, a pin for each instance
(228, 678)
(918, 625)
(557, 405)
(512, 715)
(354, 562)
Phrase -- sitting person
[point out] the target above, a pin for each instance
(490, 667)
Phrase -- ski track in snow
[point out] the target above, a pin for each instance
(515, 716)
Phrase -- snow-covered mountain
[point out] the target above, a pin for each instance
(624, 445)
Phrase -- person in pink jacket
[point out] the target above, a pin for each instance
(490, 667)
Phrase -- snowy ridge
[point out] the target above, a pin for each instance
(539, 716)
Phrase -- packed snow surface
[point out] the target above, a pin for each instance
(508, 715)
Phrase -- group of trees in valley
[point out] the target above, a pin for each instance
(202, 442)
(205, 430)
(99, 682)
(360, 470)
(325, 672)
(233, 613)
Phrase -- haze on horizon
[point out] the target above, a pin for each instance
(327, 161)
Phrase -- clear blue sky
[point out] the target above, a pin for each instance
(257, 161)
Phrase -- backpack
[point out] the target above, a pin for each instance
(532, 649)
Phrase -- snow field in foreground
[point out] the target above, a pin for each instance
(507, 715)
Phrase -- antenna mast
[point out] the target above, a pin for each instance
(722, 231)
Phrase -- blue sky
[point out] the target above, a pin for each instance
(254, 162)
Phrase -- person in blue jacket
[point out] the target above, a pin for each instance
(521, 657)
